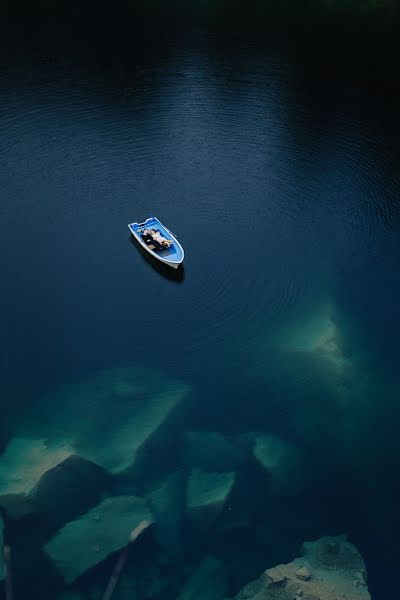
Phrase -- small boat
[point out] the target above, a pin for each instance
(171, 253)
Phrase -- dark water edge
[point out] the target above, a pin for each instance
(109, 67)
(338, 22)
(218, 10)
(336, 39)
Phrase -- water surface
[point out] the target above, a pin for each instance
(279, 173)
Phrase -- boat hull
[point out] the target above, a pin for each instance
(172, 257)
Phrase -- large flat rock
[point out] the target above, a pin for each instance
(85, 542)
(140, 401)
(108, 417)
(206, 495)
(208, 489)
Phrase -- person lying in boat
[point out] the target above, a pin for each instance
(157, 237)
(146, 236)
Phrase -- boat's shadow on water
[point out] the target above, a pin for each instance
(175, 275)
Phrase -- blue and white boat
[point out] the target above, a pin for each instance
(171, 253)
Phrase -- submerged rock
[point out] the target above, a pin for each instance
(22, 465)
(118, 452)
(106, 418)
(140, 401)
(212, 451)
(167, 503)
(24, 461)
(316, 332)
(69, 489)
(284, 462)
(206, 495)
(303, 573)
(330, 569)
(208, 582)
(36, 476)
(334, 554)
(16, 506)
(83, 543)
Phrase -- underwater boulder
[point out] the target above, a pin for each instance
(319, 374)
(206, 496)
(167, 504)
(16, 506)
(118, 452)
(24, 461)
(284, 462)
(307, 367)
(313, 339)
(315, 330)
(212, 451)
(69, 489)
(329, 568)
(38, 476)
(108, 417)
(304, 374)
(22, 465)
(209, 581)
(85, 542)
(333, 554)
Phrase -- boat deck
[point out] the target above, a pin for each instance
(165, 251)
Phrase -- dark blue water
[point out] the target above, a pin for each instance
(279, 171)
